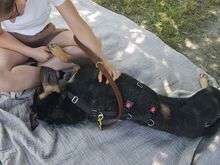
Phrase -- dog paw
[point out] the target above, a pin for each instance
(58, 52)
(203, 80)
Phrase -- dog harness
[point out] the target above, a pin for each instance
(128, 108)
(99, 65)
(93, 114)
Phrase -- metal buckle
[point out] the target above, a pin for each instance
(100, 119)
(150, 123)
(97, 64)
(206, 125)
(129, 117)
(140, 84)
(74, 99)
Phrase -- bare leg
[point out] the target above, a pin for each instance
(13, 76)
(203, 80)
(56, 64)
(66, 41)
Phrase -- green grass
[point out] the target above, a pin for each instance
(171, 20)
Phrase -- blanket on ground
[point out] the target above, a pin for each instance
(136, 52)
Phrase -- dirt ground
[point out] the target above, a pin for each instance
(204, 49)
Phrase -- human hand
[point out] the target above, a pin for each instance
(115, 73)
(41, 54)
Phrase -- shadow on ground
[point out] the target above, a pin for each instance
(204, 49)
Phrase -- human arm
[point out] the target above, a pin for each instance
(7, 41)
(84, 33)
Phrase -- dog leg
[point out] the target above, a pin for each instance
(58, 52)
(74, 72)
(68, 77)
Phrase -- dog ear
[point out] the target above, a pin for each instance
(49, 81)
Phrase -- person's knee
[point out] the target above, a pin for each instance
(56, 64)
(75, 51)
(9, 59)
(6, 84)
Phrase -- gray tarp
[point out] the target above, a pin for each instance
(142, 55)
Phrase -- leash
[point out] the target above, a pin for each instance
(99, 64)
(128, 108)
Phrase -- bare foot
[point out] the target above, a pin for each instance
(203, 80)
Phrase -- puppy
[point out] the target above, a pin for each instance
(85, 98)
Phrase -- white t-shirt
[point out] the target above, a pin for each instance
(35, 17)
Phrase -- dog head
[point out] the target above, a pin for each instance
(54, 106)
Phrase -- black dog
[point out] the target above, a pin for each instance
(191, 117)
